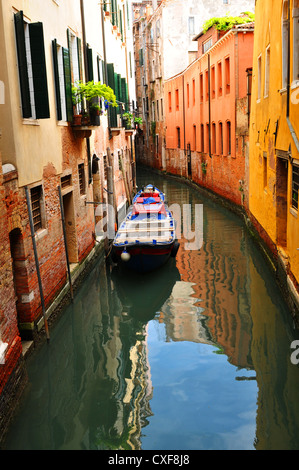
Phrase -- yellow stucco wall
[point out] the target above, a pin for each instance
(268, 110)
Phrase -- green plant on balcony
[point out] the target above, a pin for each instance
(227, 22)
(138, 121)
(86, 97)
(128, 120)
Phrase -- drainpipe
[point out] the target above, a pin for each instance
(37, 262)
(289, 60)
(105, 61)
(84, 37)
(209, 80)
(291, 128)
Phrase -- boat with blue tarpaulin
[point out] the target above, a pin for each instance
(146, 238)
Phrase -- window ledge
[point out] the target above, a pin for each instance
(31, 122)
(41, 233)
(3, 348)
(294, 212)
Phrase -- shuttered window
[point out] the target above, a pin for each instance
(82, 185)
(295, 186)
(90, 75)
(32, 68)
(68, 83)
(111, 83)
(36, 195)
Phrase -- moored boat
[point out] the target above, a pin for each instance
(146, 238)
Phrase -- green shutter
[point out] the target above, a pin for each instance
(89, 64)
(117, 91)
(39, 71)
(121, 25)
(124, 92)
(56, 78)
(68, 84)
(22, 64)
(111, 83)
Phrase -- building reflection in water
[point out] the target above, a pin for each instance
(91, 387)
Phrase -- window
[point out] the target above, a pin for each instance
(60, 71)
(36, 203)
(227, 75)
(202, 137)
(177, 102)
(169, 101)
(207, 85)
(178, 137)
(295, 186)
(229, 138)
(267, 72)
(265, 170)
(220, 138)
(105, 163)
(213, 82)
(207, 138)
(191, 25)
(201, 87)
(193, 91)
(219, 79)
(188, 95)
(259, 77)
(207, 45)
(194, 137)
(66, 181)
(153, 111)
(32, 68)
(213, 138)
(141, 61)
(82, 185)
(162, 114)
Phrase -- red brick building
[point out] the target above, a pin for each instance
(207, 114)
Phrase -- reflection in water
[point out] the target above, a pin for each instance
(194, 356)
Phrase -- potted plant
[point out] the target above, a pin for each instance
(95, 112)
(88, 94)
(77, 97)
(138, 121)
(127, 120)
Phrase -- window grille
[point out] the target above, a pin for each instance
(36, 194)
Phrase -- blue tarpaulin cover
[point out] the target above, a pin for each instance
(149, 200)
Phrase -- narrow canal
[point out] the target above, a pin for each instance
(195, 356)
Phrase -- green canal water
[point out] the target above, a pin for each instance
(195, 356)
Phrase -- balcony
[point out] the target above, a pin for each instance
(84, 124)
